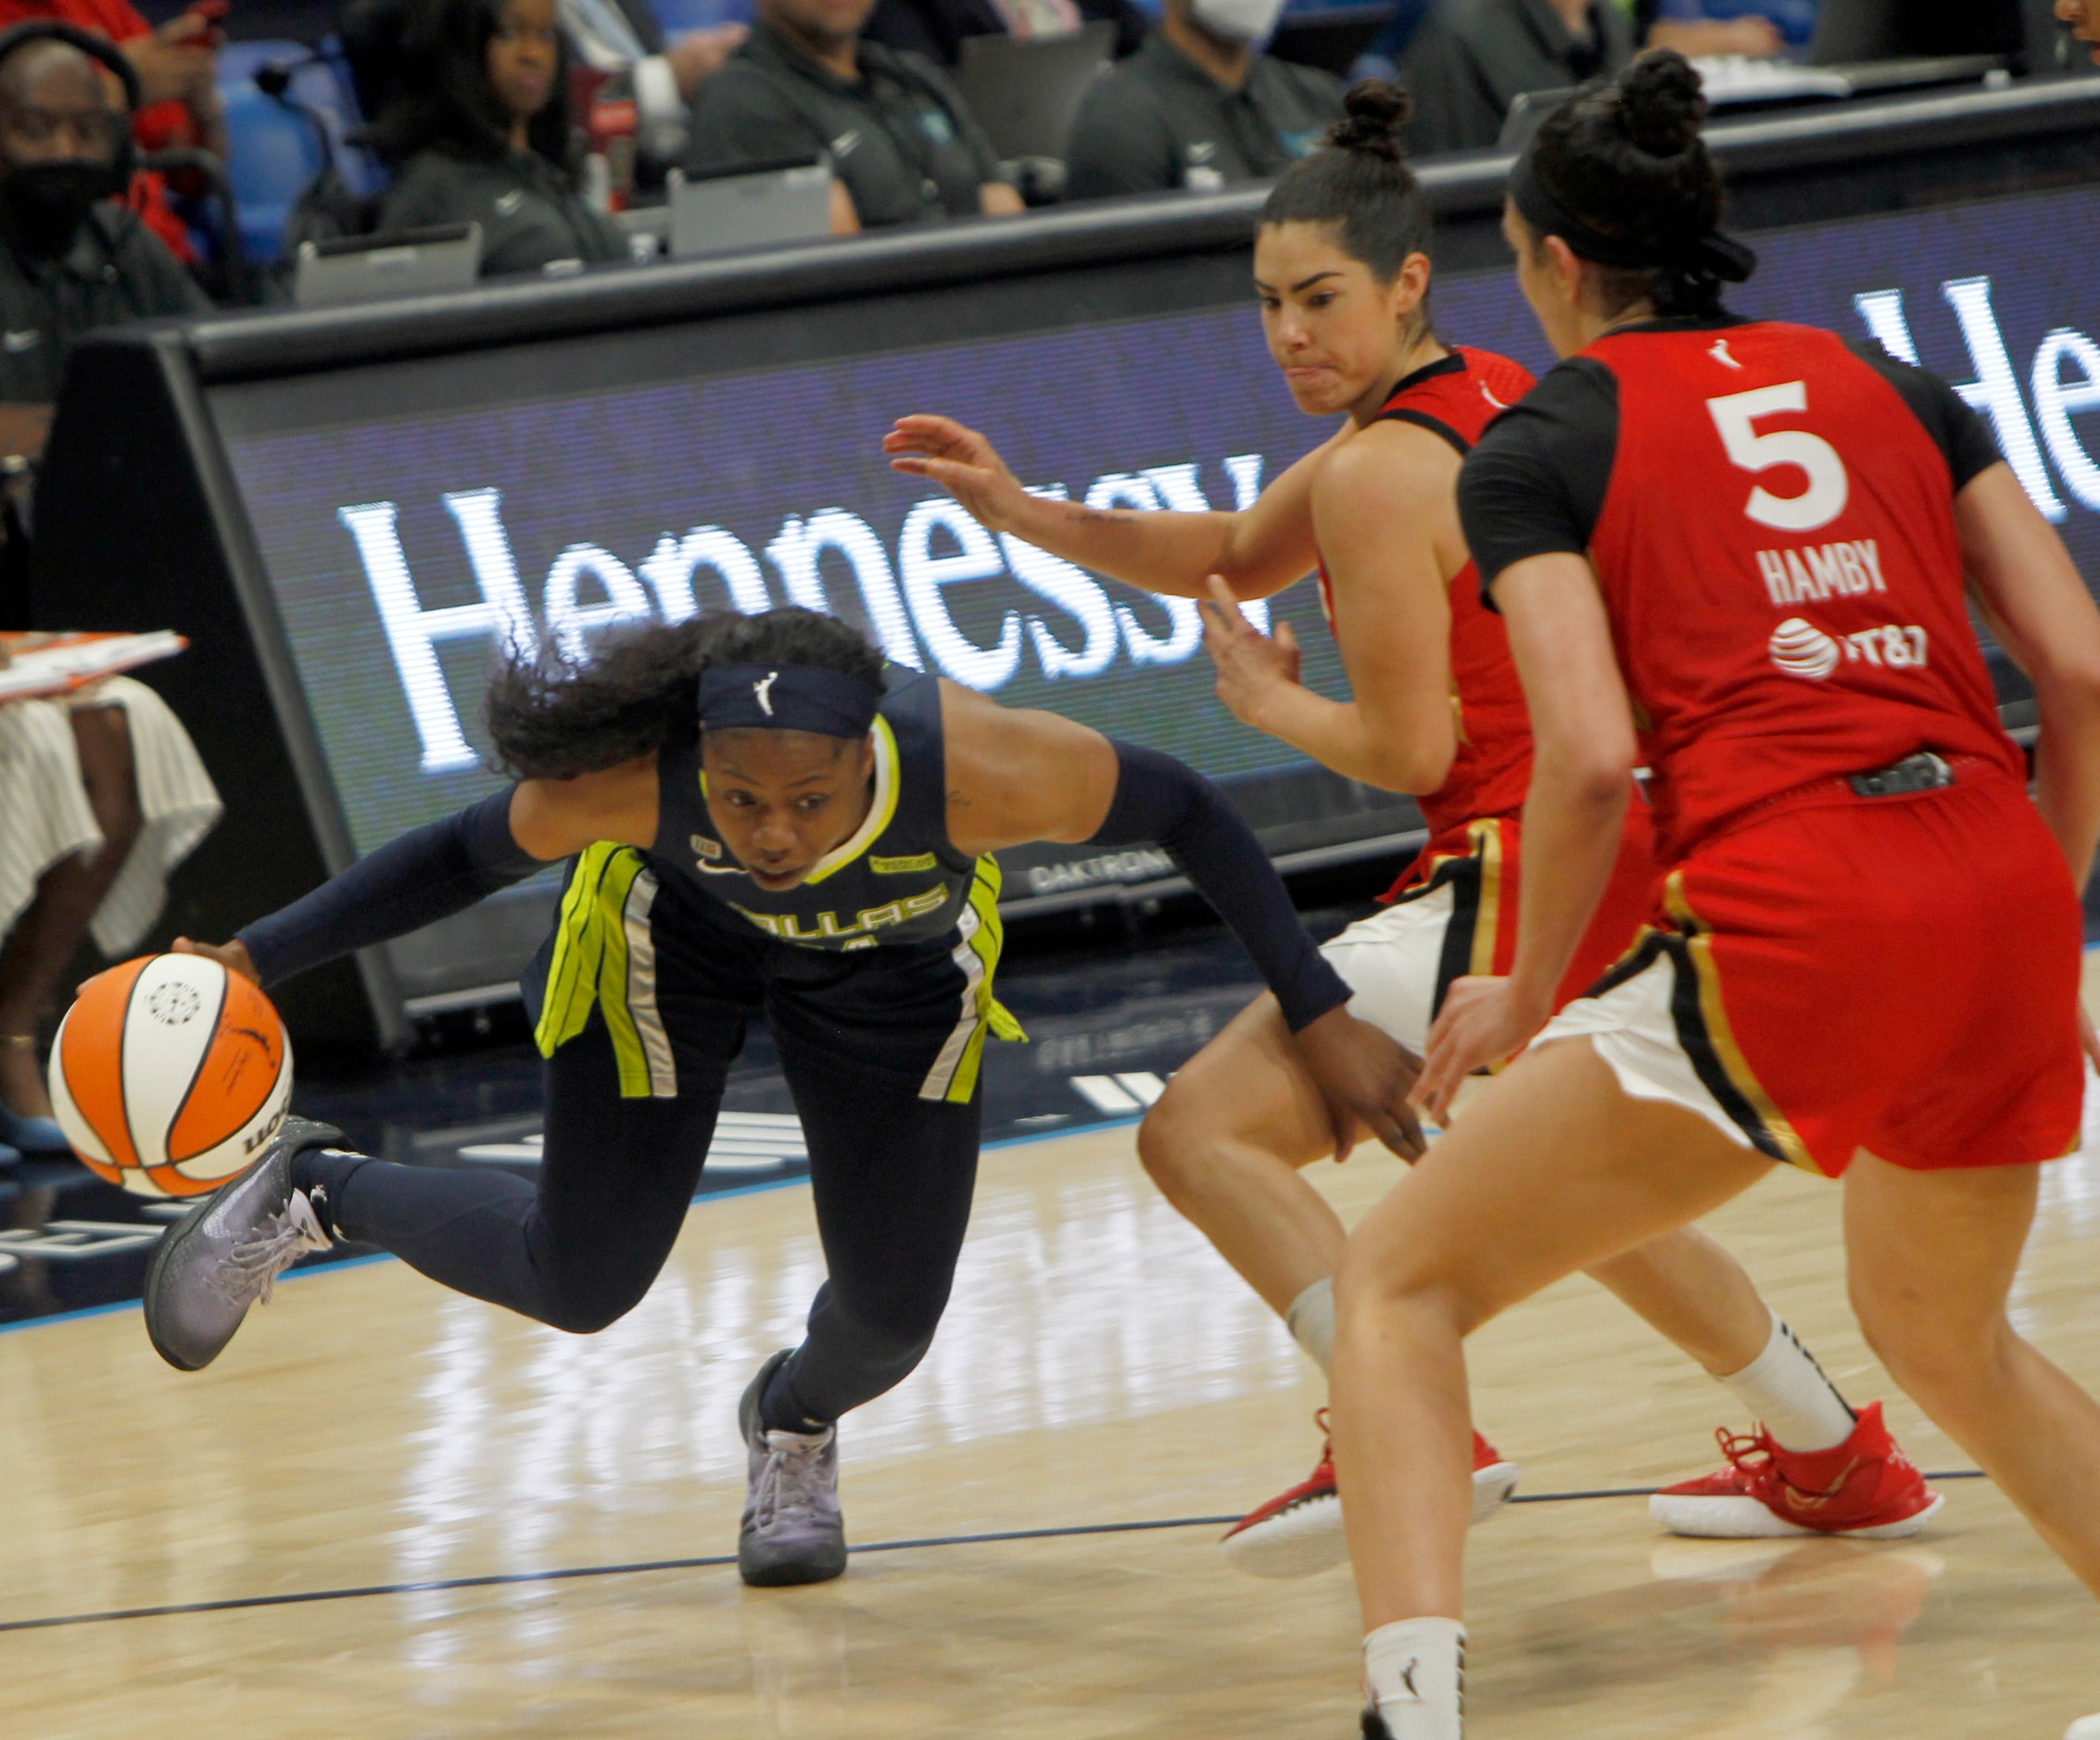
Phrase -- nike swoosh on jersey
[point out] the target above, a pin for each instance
(506, 204)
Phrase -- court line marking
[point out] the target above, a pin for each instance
(798, 1180)
(571, 1573)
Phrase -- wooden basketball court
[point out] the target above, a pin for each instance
(394, 1512)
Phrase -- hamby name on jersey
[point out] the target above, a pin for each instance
(1847, 568)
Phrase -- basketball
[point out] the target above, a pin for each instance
(169, 1074)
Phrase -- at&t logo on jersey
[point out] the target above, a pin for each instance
(1800, 648)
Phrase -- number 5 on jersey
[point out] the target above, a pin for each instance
(1736, 417)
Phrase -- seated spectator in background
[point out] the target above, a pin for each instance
(2083, 17)
(624, 39)
(936, 28)
(1382, 53)
(71, 258)
(900, 139)
(178, 103)
(480, 133)
(1199, 106)
(1759, 29)
(1472, 58)
(104, 795)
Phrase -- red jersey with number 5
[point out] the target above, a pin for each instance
(1456, 399)
(1778, 550)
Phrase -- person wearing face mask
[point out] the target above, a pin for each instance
(1199, 106)
(71, 258)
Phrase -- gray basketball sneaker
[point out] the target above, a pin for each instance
(792, 1532)
(226, 1253)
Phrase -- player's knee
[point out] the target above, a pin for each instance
(1169, 1138)
(583, 1303)
(1375, 1281)
(1928, 1352)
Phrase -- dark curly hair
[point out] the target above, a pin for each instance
(1359, 180)
(1626, 158)
(640, 690)
(443, 102)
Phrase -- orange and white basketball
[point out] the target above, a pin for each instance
(170, 1075)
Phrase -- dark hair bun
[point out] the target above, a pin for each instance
(1374, 113)
(1662, 102)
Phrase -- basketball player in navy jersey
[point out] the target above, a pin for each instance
(1761, 543)
(758, 814)
(1342, 271)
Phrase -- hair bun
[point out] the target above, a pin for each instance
(1374, 112)
(1662, 102)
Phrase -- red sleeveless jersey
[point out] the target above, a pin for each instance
(1778, 550)
(1456, 399)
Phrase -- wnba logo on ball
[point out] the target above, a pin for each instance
(1800, 648)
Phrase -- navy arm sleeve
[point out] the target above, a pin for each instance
(1535, 484)
(427, 874)
(1161, 801)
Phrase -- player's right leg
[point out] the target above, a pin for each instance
(1930, 1260)
(576, 1249)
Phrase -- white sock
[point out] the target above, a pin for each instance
(1414, 1674)
(1785, 1390)
(1312, 1320)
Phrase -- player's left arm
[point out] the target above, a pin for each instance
(1582, 724)
(1386, 509)
(1014, 777)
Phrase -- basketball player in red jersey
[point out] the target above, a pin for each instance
(1342, 272)
(1866, 952)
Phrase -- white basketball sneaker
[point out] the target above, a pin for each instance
(2085, 1728)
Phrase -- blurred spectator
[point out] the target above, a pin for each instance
(936, 28)
(623, 39)
(177, 70)
(1472, 58)
(1198, 106)
(898, 135)
(1759, 29)
(71, 258)
(104, 795)
(1382, 53)
(2083, 17)
(481, 133)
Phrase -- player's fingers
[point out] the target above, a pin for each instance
(1401, 1131)
(1286, 637)
(1222, 600)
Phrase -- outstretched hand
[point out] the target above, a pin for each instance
(1251, 664)
(233, 956)
(962, 461)
(1364, 1077)
(1483, 1022)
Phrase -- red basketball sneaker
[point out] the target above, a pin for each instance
(1865, 1487)
(1299, 1534)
